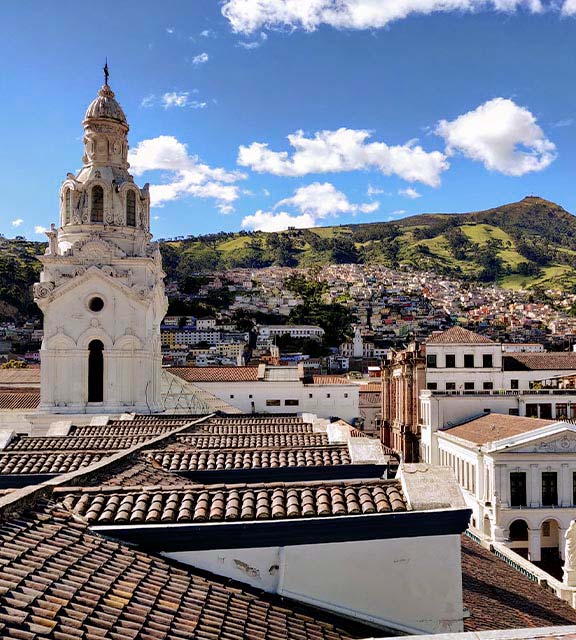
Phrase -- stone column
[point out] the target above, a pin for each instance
(534, 545)
(565, 486)
(535, 486)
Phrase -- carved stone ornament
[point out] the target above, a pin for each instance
(570, 549)
(565, 444)
(43, 289)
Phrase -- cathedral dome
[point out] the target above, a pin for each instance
(105, 106)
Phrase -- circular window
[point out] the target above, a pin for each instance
(96, 304)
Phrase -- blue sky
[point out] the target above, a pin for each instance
(389, 114)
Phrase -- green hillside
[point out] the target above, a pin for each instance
(526, 244)
(531, 243)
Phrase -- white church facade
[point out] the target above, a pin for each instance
(101, 289)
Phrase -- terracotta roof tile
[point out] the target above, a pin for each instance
(19, 399)
(330, 380)
(33, 463)
(71, 443)
(28, 376)
(218, 459)
(540, 361)
(61, 581)
(458, 335)
(495, 426)
(216, 374)
(499, 597)
(197, 503)
(248, 441)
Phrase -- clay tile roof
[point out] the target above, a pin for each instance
(540, 361)
(58, 580)
(499, 597)
(220, 460)
(330, 379)
(370, 397)
(19, 399)
(40, 463)
(371, 386)
(248, 441)
(214, 503)
(20, 377)
(247, 425)
(71, 443)
(216, 374)
(458, 335)
(495, 426)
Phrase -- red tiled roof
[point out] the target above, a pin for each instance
(542, 361)
(499, 597)
(370, 397)
(330, 380)
(18, 463)
(248, 441)
(216, 374)
(371, 386)
(219, 460)
(495, 426)
(19, 399)
(458, 335)
(26, 376)
(200, 503)
(61, 581)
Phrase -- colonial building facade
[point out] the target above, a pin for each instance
(101, 289)
(403, 378)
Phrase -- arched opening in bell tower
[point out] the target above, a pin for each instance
(96, 371)
(97, 210)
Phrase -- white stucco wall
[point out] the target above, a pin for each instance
(323, 400)
(368, 580)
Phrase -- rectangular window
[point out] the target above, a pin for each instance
(450, 386)
(487, 360)
(272, 403)
(291, 403)
(469, 360)
(310, 395)
(518, 489)
(531, 410)
(431, 361)
(549, 488)
(513, 384)
(561, 411)
(468, 386)
(327, 395)
(487, 386)
(432, 386)
(514, 412)
(546, 411)
(450, 361)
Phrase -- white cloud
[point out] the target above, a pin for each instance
(172, 99)
(16, 223)
(399, 213)
(247, 16)
(254, 44)
(409, 193)
(40, 230)
(314, 202)
(188, 176)
(148, 101)
(323, 199)
(175, 99)
(500, 134)
(569, 8)
(208, 33)
(345, 150)
(201, 58)
(374, 191)
(170, 30)
(268, 221)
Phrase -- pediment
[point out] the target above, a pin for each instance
(560, 443)
(94, 248)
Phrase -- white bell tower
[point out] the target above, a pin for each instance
(102, 286)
